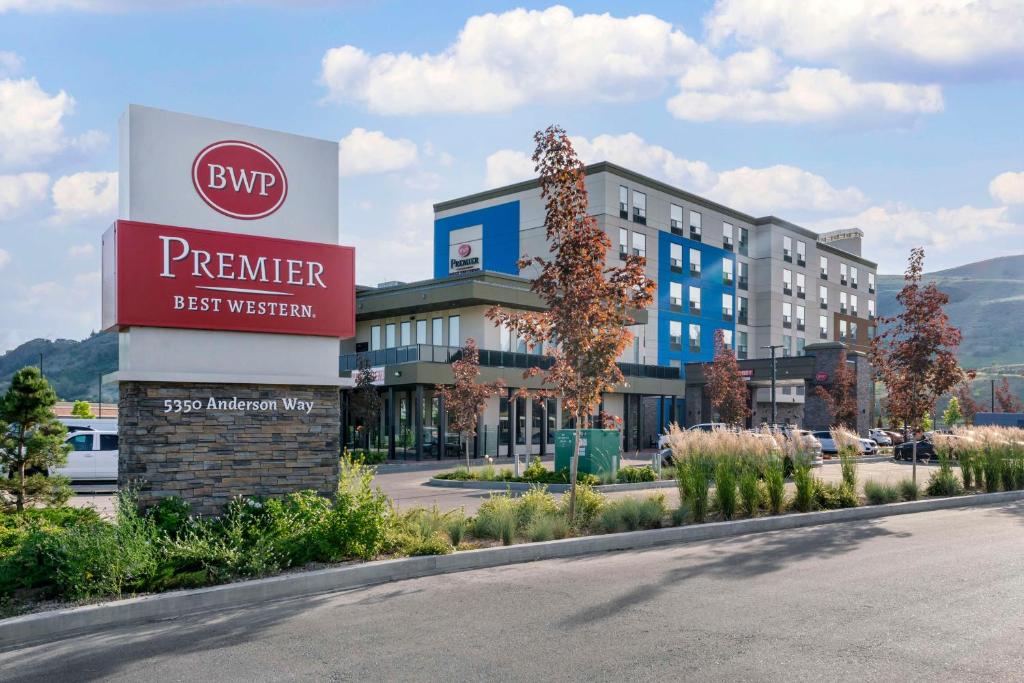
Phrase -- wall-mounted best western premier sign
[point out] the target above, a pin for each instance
(212, 280)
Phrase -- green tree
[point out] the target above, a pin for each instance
(952, 414)
(31, 442)
(82, 409)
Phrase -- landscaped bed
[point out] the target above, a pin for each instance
(59, 556)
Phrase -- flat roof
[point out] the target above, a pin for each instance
(609, 167)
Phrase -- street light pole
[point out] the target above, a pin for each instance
(992, 388)
(772, 347)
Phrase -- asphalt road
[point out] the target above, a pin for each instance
(929, 596)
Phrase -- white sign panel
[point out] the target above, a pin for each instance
(466, 249)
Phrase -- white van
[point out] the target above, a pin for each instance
(93, 456)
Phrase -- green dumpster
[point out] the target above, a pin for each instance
(599, 451)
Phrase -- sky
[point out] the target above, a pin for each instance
(900, 117)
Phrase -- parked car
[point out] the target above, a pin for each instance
(868, 446)
(93, 457)
(880, 437)
(897, 437)
(905, 451)
(828, 446)
(708, 427)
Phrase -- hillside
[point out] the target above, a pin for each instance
(986, 301)
(73, 367)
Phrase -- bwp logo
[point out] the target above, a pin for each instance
(465, 250)
(239, 179)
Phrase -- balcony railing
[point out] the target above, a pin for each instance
(426, 353)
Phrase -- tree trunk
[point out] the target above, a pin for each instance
(574, 468)
(465, 439)
(913, 474)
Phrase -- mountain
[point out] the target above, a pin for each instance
(73, 367)
(986, 301)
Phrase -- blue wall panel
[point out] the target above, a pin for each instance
(711, 290)
(500, 237)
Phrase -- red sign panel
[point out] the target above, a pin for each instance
(239, 179)
(207, 280)
(821, 376)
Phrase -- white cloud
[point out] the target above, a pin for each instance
(501, 61)
(18, 192)
(406, 253)
(753, 190)
(804, 95)
(507, 166)
(81, 251)
(881, 36)
(370, 151)
(32, 121)
(776, 188)
(10, 63)
(954, 235)
(89, 194)
(1008, 187)
(5, 258)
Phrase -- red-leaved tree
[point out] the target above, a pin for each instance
(588, 303)
(726, 388)
(914, 354)
(840, 395)
(968, 406)
(1006, 402)
(466, 398)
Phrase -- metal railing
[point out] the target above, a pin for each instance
(426, 353)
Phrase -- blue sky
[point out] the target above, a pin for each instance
(901, 118)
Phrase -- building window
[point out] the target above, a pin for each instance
(375, 338)
(623, 202)
(787, 282)
(694, 338)
(853, 304)
(695, 229)
(694, 300)
(801, 253)
(801, 289)
(406, 333)
(437, 332)
(639, 208)
(727, 235)
(824, 267)
(551, 412)
(842, 302)
(741, 345)
(744, 239)
(389, 336)
(853, 276)
(842, 330)
(520, 420)
(639, 244)
(727, 307)
(800, 344)
(853, 331)
(421, 331)
(504, 338)
(801, 318)
(787, 346)
(871, 283)
(871, 309)
(823, 297)
(741, 310)
(695, 262)
(787, 248)
(623, 243)
(741, 275)
(676, 219)
(823, 326)
(675, 255)
(842, 274)
(675, 296)
(787, 315)
(727, 272)
(727, 338)
(454, 335)
(675, 335)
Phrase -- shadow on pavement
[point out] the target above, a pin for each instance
(743, 558)
(107, 653)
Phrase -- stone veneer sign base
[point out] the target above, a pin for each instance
(208, 442)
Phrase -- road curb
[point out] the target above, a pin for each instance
(552, 488)
(57, 624)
